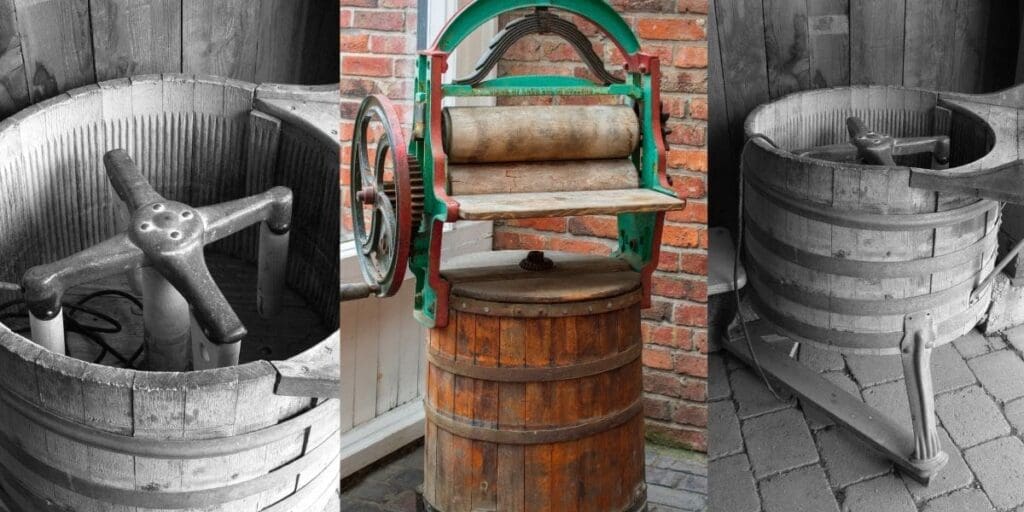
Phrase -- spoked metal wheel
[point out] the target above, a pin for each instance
(382, 196)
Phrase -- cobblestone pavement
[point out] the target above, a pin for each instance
(676, 482)
(772, 456)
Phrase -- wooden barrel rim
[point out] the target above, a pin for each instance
(162, 499)
(864, 307)
(171, 449)
(526, 437)
(872, 221)
(760, 241)
(519, 310)
(539, 374)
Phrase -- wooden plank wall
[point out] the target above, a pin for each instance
(760, 50)
(50, 46)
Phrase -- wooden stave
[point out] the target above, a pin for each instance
(607, 491)
(250, 386)
(763, 165)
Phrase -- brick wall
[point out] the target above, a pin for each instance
(377, 57)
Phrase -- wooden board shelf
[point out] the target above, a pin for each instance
(563, 204)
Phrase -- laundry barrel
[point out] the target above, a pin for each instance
(87, 437)
(534, 388)
(838, 253)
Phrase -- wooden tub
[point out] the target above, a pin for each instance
(85, 437)
(838, 253)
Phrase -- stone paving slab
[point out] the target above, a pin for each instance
(979, 384)
(676, 482)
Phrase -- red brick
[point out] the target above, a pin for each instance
(699, 109)
(578, 246)
(398, 4)
(345, 18)
(686, 134)
(677, 29)
(694, 263)
(390, 44)
(694, 212)
(359, 3)
(349, 108)
(700, 340)
(695, 315)
(605, 227)
(678, 287)
(668, 261)
(392, 21)
(556, 224)
(689, 186)
(509, 240)
(686, 80)
(686, 438)
(656, 357)
(674, 105)
(362, 65)
(657, 408)
(666, 384)
(528, 49)
(659, 311)
(680, 236)
(694, 6)
(690, 159)
(691, 57)
(347, 127)
(405, 68)
(357, 87)
(694, 365)
(691, 414)
(355, 43)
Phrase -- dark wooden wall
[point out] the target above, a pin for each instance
(760, 50)
(50, 46)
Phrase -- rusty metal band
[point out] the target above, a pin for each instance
(872, 221)
(763, 241)
(174, 449)
(506, 309)
(850, 339)
(862, 307)
(38, 469)
(526, 437)
(541, 374)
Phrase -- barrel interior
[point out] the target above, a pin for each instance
(818, 118)
(837, 252)
(196, 141)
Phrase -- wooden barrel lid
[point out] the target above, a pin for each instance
(497, 277)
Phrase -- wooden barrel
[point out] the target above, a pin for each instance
(85, 437)
(534, 388)
(838, 253)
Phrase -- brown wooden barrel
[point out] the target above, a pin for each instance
(90, 438)
(534, 388)
(838, 253)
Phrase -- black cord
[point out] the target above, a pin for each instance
(90, 332)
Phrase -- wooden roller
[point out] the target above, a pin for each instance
(539, 133)
(556, 176)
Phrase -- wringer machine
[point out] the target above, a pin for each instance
(871, 217)
(534, 375)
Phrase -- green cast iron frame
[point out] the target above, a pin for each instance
(639, 237)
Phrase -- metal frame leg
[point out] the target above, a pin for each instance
(165, 315)
(273, 263)
(207, 355)
(49, 334)
(915, 351)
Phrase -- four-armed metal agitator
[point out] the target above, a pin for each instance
(164, 243)
(564, 328)
(870, 224)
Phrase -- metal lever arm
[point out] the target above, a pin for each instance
(188, 273)
(874, 148)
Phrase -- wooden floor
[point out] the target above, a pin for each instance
(293, 331)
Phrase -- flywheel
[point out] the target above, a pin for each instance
(386, 195)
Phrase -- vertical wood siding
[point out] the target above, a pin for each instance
(760, 50)
(51, 46)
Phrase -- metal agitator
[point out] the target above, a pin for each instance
(870, 227)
